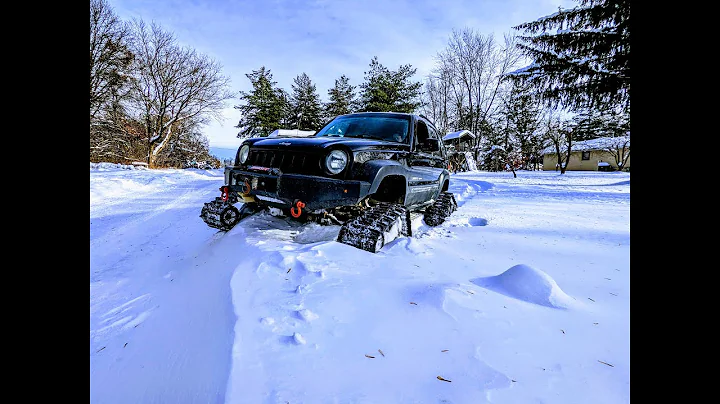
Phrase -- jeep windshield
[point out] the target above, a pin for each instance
(388, 128)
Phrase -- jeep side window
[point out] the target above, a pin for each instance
(433, 135)
(421, 136)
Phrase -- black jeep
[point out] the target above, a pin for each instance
(365, 171)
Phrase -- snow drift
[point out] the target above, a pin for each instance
(529, 284)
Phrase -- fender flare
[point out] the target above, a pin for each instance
(444, 176)
(376, 171)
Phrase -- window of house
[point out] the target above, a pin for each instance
(586, 155)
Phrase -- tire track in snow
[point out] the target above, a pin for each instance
(190, 195)
(192, 362)
(113, 279)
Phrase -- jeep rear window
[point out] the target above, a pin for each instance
(369, 127)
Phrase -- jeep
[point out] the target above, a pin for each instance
(366, 171)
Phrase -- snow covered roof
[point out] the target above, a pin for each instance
(458, 135)
(291, 133)
(522, 71)
(600, 143)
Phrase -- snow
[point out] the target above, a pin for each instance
(522, 295)
(523, 70)
(291, 133)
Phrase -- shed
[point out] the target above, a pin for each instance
(461, 135)
(459, 145)
(460, 140)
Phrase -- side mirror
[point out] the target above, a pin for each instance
(431, 145)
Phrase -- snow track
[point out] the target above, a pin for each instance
(141, 223)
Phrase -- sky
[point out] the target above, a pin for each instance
(323, 38)
(521, 296)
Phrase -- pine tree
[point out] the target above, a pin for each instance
(286, 109)
(262, 110)
(342, 98)
(594, 123)
(523, 115)
(586, 63)
(387, 90)
(491, 153)
(305, 104)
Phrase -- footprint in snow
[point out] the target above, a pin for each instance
(477, 221)
(295, 339)
(306, 315)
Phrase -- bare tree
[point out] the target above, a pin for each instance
(114, 138)
(170, 85)
(436, 101)
(560, 136)
(475, 64)
(449, 100)
(469, 78)
(188, 148)
(619, 148)
(110, 58)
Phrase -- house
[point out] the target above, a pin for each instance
(601, 154)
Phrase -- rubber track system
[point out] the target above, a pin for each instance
(376, 226)
(222, 215)
(443, 207)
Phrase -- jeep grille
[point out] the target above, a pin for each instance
(286, 161)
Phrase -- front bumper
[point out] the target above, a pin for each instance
(280, 190)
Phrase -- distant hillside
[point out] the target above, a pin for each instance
(223, 153)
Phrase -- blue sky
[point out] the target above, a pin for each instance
(323, 38)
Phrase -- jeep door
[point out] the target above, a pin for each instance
(426, 163)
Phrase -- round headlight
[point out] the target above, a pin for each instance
(244, 151)
(336, 161)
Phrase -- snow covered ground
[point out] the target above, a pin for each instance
(522, 296)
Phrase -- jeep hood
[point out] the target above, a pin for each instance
(320, 142)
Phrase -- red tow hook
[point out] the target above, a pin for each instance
(225, 193)
(300, 205)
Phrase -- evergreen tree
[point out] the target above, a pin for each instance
(586, 63)
(594, 123)
(342, 98)
(387, 90)
(492, 149)
(263, 108)
(286, 115)
(523, 115)
(305, 104)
